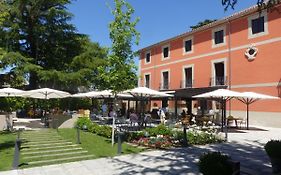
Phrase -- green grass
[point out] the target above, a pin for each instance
(7, 144)
(97, 145)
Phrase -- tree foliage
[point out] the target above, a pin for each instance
(263, 4)
(202, 23)
(43, 47)
(120, 72)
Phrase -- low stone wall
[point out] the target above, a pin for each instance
(57, 119)
(6, 121)
(267, 119)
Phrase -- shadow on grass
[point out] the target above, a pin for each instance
(7, 145)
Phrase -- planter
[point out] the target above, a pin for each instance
(276, 165)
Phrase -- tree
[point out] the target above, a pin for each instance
(120, 72)
(42, 46)
(202, 23)
(263, 4)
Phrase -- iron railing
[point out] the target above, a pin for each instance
(218, 81)
(164, 86)
(187, 83)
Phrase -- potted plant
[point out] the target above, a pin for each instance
(273, 150)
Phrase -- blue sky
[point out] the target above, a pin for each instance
(159, 19)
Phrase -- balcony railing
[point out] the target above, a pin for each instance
(187, 83)
(164, 86)
(218, 81)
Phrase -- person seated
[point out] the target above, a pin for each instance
(133, 117)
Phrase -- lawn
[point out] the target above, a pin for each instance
(97, 145)
(7, 144)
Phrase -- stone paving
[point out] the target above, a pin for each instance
(243, 146)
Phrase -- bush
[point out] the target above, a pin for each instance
(178, 137)
(273, 148)
(214, 163)
(200, 136)
(159, 130)
(130, 136)
(83, 121)
(104, 131)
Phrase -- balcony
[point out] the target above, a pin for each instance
(186, 83)
(164, 86)
(218, 81)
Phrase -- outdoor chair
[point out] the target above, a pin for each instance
(242, 122)
(231, 119)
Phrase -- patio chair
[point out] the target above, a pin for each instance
(242, 122)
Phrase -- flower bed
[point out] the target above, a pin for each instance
(154, 142)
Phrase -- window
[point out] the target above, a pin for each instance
(165, 52)
(219, 77)
(147, 80)
(257, 25)
(219, 37)
(188, 77)
(187, 74)
(147, 57)
(165, 80)
(187, 45)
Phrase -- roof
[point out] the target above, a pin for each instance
(210, 25)
(190, 92)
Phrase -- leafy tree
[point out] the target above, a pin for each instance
(43, 47)
(268, 4)
(120, 72)
(202, 23)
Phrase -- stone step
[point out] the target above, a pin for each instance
(53, 155)
(42, 142)
(39, 135)
(47, 144)
(39, 138)
(50, 147)
(51, 151)
(60, 159)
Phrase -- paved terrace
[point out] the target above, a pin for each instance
(243, 146)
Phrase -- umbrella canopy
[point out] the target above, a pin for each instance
(146, 92)
(46, 93)
(220, 93)
(11, 92)
(101, 94)
(251, 97)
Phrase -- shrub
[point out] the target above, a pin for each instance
(130, 136)
(178, 137)
(202, 136)
(214, 163)
(104, 131)
(83, 121)
(159, 130)
(93, 128)
(273, 148)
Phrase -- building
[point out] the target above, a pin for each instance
(239, 52)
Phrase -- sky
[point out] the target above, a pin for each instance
(159, 19)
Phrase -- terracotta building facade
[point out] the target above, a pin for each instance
(241, 52)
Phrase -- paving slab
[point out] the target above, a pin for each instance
(245, 147)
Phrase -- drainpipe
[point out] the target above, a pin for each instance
(229, 61)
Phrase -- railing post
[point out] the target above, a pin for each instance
(184, 136)
(17, 151)
(78, 135)
(119, 149)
